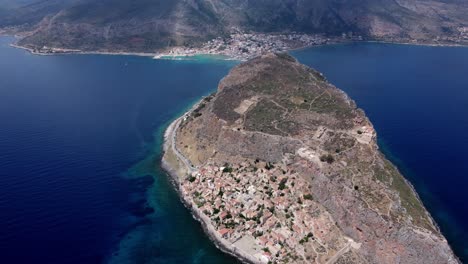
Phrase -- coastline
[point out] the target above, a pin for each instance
(175, 172)
(419, 44)
(156, 56)
(217, 56)
(183, 53)
(80, 52)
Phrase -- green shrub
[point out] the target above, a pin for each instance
(191, 179)
(228, 169)
(269, 166)
(328, 158)
(282, 184)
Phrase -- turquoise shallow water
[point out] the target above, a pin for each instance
(80, 144)
(170, 234)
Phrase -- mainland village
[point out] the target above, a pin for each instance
(243, 46)
(260, 206)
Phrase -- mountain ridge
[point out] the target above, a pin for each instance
(148, 26)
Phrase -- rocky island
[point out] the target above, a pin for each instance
(280, 166)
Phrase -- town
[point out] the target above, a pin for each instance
(260, 206)
(243, 46)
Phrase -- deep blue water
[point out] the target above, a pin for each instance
(80, 140)
(72, 129)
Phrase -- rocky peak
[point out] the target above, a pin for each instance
(273, 112)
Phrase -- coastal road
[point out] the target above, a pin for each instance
(173, 135)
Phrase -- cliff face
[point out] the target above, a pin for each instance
(295, 165)
(144, 25)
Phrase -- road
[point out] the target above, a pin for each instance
(173, 135)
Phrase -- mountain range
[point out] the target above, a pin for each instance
(149, 25)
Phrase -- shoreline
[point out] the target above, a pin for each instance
(174, 176)
(216, 55)
(419, 44)
(155, 56)
(220, 56)
(80, 52)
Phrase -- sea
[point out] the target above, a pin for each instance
(81, 139)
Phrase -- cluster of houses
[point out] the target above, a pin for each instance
(247, 45)
(261, 200)
(243, 46)
(463, 33)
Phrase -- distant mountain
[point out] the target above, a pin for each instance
(27, 13)
(147, 25)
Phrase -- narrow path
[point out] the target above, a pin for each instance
(339, 253)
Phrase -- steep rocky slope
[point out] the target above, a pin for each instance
(282, 166)
(144, 25)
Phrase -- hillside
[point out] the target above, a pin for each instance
(279, 165)
(147, 26)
